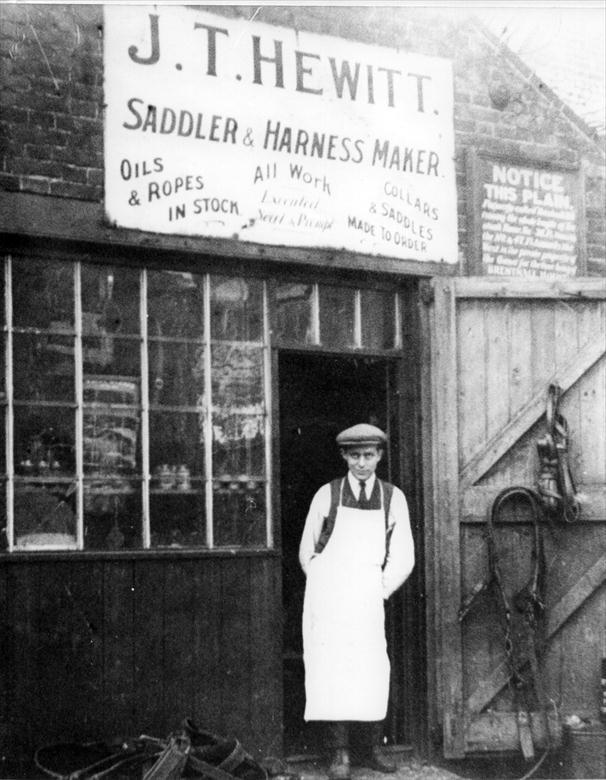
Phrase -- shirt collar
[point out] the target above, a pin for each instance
(354, 484)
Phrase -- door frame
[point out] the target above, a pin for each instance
(408, 724)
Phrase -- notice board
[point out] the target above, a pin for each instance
(527, 218)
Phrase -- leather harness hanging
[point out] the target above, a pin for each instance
(523, 613)
(555, 484)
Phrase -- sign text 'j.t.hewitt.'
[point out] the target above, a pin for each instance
(222, 127)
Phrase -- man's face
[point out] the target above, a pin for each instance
(362, 461)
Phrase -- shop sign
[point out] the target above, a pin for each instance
(229, 128)
(527, 221)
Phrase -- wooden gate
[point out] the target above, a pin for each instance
(496, 346)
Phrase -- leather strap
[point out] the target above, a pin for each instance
(555, 484)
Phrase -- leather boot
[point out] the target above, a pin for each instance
(371, 758)
(367, 752)
(339, 768)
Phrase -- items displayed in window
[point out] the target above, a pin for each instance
(136, 400)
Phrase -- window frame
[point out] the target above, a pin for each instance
(267, 344)
(144, 410)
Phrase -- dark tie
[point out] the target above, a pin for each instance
(362, 500)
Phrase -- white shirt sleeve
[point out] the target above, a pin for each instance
(400, 559)
(318, 510)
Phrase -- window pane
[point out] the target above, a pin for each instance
(236, 309)
(178, 518)
(292, 317)
(51, 286)
(110, 301)
(177, 501)
(43, 367)
(175, 305)
(45, 517)
(177, 443)
(108, 355)
(111, 427)
(176, 374)
(44, 441)
(378, 319)
(238, 419)
(337, 306)
(237, 378)
(239, 513)
(112, 513)
(238, 446)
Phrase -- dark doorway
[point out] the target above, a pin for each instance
(320, 395)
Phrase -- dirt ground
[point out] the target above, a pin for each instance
(412, 768)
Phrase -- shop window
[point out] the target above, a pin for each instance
(378, 319)
(136, 406)
(335, 317)
(238, 410)
(293, 319)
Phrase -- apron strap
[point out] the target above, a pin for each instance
(336, 499)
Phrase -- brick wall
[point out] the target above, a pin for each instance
(51, 121)
(51, 130)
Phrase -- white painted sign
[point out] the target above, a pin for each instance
(224, 127)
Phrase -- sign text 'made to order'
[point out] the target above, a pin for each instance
(228, 128)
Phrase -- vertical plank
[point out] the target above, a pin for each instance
(149, 651)
(60, 686)
(566, 318)
(179, 670)
(446, 513)
(409, 668)
(481, 632)
(543, 344)
(208, 662)
(276, 498)
(118, 648)
(5, 664)
(520, 355)
(497, 403)
(235, 646)
(24, 612)
(471, 348)
(522, 456)
(5, 656)
(590, 461)
(85, 596)
(429, 459)
(266, 706)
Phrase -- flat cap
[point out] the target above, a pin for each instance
(361, 435)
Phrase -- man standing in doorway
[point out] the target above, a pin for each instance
(356, 550)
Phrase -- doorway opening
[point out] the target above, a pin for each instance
(320, 395)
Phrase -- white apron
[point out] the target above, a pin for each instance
(344, 646)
